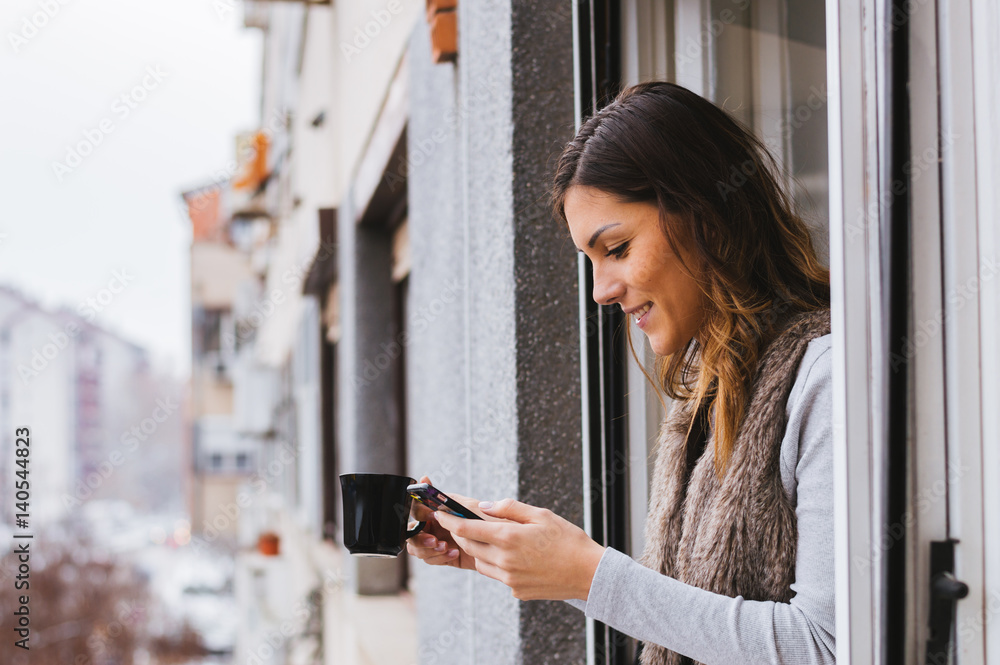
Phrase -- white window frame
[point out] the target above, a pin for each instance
(856, 351)
(929, 465)
(964, 253)
(986, 72)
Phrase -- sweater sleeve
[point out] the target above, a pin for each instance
(716, 629)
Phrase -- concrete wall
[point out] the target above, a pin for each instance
(546, 304)
(437, 370)
(493, 377)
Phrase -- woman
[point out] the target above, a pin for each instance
(680, 210)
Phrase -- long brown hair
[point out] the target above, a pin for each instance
(719, 193)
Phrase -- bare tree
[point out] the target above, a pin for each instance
(85, 608)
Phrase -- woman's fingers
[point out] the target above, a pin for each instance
(437, 532)
(447, 558)
(489, 570)
(420, 511)
(477, 550)
(435, 553)
(427, 541)
(486, 531)
(429, 544)
(470, 503)
(432, 555)
(441, 559)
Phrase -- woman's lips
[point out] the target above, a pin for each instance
(644, 319)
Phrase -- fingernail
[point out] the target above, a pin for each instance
(452, 552)
(485, 505)
(440, 547)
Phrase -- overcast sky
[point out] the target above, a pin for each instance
(110, 108)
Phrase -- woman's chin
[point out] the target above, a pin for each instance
(663, 347)
(658, 347)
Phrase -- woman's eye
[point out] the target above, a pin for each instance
(619, 251)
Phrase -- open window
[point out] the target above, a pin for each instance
(764, 61)
(859, 100)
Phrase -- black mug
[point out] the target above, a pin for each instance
(376, 512)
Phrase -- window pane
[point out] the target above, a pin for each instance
(764, 61)
(767, 67)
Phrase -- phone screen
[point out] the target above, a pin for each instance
(438, 500)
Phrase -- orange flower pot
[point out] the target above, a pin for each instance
(267, 544)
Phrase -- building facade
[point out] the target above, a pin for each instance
(62, 374)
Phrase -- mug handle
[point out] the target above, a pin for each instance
(410, 533)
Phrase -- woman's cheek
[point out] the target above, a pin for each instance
(642, 273)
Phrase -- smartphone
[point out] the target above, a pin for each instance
(435, 499)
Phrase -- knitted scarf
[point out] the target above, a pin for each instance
(736, 536)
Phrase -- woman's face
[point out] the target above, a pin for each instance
(635, 267)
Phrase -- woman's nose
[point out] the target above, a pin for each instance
(608, 287)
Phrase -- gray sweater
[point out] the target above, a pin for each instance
(718, 630)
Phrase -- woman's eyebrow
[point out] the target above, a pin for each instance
(599, 231)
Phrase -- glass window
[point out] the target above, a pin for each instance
(764, 61)
(768, 68)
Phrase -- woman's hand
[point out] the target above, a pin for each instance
(538, 554)
(434, 545)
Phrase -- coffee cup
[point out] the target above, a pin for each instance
(376, 513)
